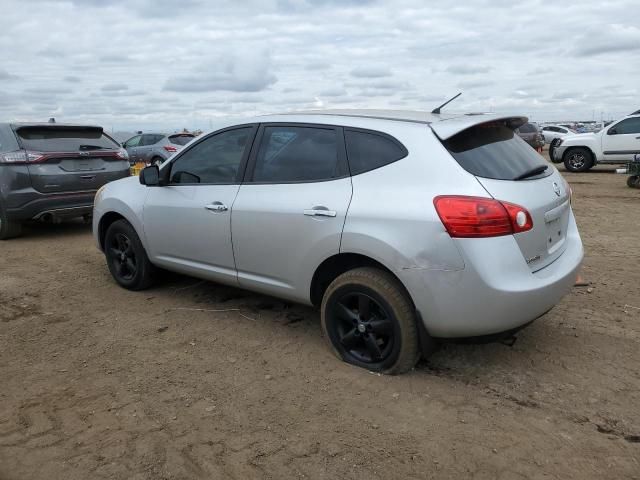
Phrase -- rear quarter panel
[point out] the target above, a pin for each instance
(392, 217)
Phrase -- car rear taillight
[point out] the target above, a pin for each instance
(21, 157)
(170, 148)
(122, 153)
(477, 217)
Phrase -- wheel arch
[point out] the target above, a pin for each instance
(585, 147)
(105, 222)
(338, 264)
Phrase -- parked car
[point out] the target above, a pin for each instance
(551, 132)
(403, 227)
(155, 148)
(614, 144)
(50, 171)
(530, 134)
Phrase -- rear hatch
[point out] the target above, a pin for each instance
(511, 171)
(63, 158)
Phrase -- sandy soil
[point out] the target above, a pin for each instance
(98, 382)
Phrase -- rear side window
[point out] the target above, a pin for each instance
(64, 139)
(297, 154)
(493, 150)
(370, 150)
(8, 141)
(181, 139)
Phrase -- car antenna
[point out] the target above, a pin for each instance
(437, 110)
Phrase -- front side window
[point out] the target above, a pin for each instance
(297, 154)
(369, 150)
(215, 159)
(626, 126)
(133, 142)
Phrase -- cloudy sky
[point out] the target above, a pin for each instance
(142, 64)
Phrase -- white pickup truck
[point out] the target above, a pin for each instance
(616, 143)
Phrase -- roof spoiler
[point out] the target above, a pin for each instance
(446, 129)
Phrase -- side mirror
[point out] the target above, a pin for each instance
(150, 176)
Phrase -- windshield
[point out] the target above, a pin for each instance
(64, 139)
(493, 150)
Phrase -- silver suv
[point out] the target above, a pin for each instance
(155, 148)
(403, 227)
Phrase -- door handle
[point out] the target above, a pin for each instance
(217, 207)
(320, 212)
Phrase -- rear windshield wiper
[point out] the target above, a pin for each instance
(93, 147)
(533, 172)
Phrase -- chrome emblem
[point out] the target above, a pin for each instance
(556, 188)
(84, 154)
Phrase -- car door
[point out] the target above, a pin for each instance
(131, 146)
(290, 210)
(621, 141)
(145, 147)
(187, 222)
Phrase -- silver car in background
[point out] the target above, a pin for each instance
(155, 148)
(403, 227)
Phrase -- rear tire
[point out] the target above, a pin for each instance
(369, 321)
(633, 181)
(8, 229)
(578, 160)
(126, 257)
(157, 161)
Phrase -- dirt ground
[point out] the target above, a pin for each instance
(98, 382)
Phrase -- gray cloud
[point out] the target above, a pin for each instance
(243, 73)
(467, 69)
(190, 64)
(371, 72)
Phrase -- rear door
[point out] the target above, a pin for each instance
(620, 142)
(70, 159)
(511, 171)
(290, 211)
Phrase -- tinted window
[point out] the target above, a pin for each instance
(297, 154)
(368, 150)
(627, 126)
(493, 150)
(527, 128)
(149, 139)
(64, 139)
(8, 141)
(215, 159)
(133, 142)
(181, 139)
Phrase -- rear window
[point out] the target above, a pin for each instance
(493, 150)
(66, 139)
(181, 139)
(7, 140)
(369, 150)
(528, 128)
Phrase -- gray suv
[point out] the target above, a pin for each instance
(49, 171)
(402, 227)
(155, 148)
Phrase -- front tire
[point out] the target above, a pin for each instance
(126, 257)
(633, 181)
(369, 321)
(578, 160)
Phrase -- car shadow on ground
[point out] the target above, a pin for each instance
(470, 361)
(43, 230)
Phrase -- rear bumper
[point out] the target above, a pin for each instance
(495, 292)
(34, 205)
